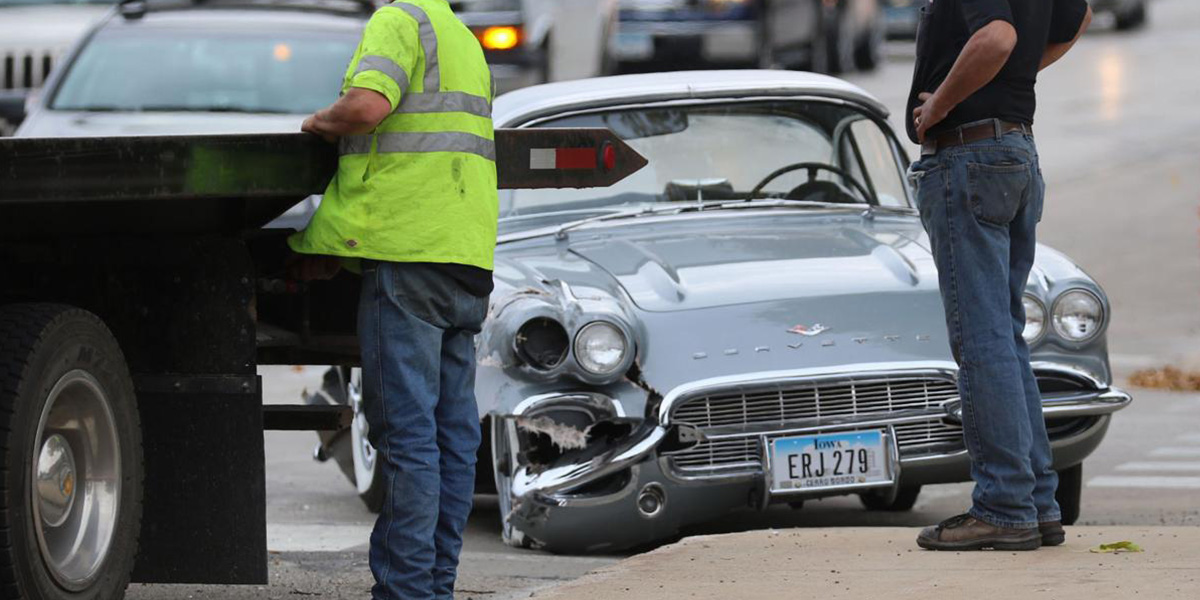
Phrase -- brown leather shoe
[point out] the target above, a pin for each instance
(1052, 532)
(965, 532)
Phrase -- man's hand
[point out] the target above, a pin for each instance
(928, 114)
(312, 267)
(310, 126)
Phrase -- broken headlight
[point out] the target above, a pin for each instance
(1078, 315)
(542, 343)
(601, 348)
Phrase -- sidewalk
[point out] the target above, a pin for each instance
(885, 564)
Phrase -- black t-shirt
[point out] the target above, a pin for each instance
(945, 27)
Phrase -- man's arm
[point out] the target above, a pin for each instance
(1055, 51)
(980, 61)
(359, 111)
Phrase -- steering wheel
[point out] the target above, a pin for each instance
(812, 168)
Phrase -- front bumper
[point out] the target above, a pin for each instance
(709, 41)
(593, 505)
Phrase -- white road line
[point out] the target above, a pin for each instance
(1182, 452)
(1166, 483)
(1186, 467)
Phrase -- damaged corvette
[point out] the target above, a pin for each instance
(751, 319)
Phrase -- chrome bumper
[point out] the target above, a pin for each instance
(711, 41)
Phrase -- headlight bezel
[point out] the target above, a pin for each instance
(1101, 321)
(619, 368)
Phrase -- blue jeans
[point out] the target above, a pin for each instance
(980, 204)
(416, 327)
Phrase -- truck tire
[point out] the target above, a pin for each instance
(368, 464)
(904, 501)
(71, 448)
(1070, 493)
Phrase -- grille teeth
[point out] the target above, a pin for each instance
(758, 406)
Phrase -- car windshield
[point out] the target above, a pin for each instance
(722, 152)
(196, 70)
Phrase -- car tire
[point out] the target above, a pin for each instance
(1070, 493)
(904, 501)
(1132, 18)
(839, 43)
(368, 468)
(869, 52)
(66, 395)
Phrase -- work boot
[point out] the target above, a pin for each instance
(965, 532)
(1052, 533)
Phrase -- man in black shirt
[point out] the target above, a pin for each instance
(980, 192)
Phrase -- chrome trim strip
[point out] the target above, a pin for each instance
(563, 477)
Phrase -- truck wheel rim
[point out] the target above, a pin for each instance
(76, 489)
(364, 452)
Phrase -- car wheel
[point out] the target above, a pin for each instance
(1070, 493)
(1132, 18)
(905, 499)
(504, 459)
(71, 468)
(870, 49)
(840, 43)
(368, 468)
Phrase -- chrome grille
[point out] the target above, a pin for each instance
(814, 400)
(25, 69)
(759, 406)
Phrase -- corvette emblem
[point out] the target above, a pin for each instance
(809, 331)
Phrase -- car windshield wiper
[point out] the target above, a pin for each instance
(561, 231)
(223, 108)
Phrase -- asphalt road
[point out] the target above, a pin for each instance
(1120, 146)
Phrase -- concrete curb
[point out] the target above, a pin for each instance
(885, 563)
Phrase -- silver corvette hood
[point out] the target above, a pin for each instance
(737, 296)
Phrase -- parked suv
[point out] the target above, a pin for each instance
(818, 35)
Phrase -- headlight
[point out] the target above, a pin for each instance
(1078, 315)
(1035, 319)
(600, 348)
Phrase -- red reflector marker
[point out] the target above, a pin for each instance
(562, 158)
(610, 157)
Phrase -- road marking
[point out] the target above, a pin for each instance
(1176, 452)
(1166, 483)
(1160, 466)
(316, 538)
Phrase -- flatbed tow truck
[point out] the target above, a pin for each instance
(138, 294)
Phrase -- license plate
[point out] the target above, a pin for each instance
(634, 46)
(857, 459)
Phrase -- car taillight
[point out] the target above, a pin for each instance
(504, 37)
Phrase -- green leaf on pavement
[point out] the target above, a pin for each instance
(1117, 547)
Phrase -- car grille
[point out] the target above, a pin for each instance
(761, 406)
(25, 69)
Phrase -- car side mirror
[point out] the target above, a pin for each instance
(12, 110)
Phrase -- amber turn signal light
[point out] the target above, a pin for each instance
(500, 38)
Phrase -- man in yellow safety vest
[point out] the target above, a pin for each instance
(414, 204)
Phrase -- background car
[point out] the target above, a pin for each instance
(901, 18)
(537, 41)
(652, 348)
(817, 35)
(33, 36)
(1128, 14)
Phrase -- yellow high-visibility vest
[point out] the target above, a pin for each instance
(422, 186)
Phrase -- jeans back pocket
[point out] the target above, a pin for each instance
(997, 192)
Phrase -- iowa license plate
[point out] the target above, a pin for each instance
(854, 459)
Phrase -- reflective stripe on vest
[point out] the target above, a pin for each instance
(450, 141)
(444, 102)
(386, 66)
(429, 43)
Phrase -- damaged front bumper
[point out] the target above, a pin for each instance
(610, 482)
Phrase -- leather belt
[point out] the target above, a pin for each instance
(971, 132)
